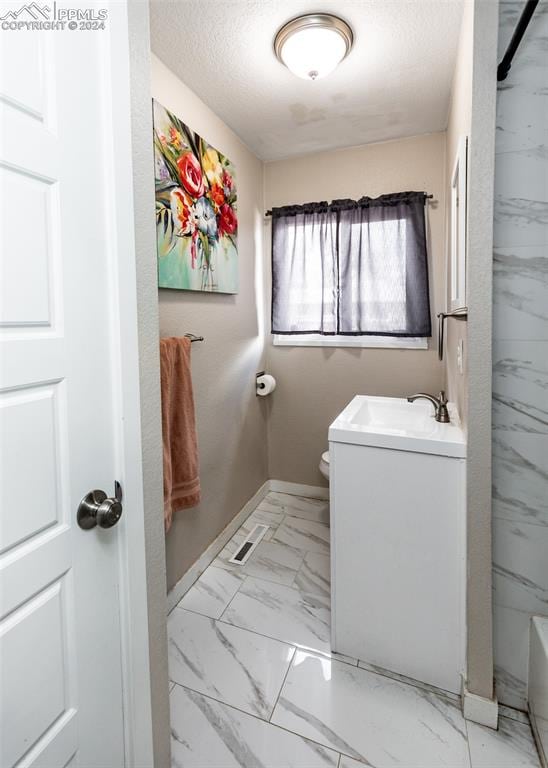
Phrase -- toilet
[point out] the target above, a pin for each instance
(324, 464)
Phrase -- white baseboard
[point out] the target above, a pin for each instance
(479, 709)
(207, 557)
(297, 489)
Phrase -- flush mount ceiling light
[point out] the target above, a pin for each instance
(312, 46)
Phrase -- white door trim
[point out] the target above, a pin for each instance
(142, 576)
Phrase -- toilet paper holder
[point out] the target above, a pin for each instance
(263, 388)
(257, 385)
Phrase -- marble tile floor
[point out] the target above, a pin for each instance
(254, 683)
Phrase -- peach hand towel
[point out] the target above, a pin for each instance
(181, 478)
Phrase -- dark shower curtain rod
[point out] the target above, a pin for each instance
(269, 212)
(506, 61)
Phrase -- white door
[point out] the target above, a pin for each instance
(60, 647)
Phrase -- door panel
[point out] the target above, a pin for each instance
(30, 448)
(22, 70)
(61, 692)
(36, 677)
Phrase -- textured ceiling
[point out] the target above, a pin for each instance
(395, 82)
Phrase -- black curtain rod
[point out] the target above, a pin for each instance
(269, 212)
(506, 61)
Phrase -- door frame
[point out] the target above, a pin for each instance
(135, 332)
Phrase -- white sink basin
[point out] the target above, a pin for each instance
(392, 422)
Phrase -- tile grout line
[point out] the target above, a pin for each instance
(468, 743)
(316, 551)
(519, 717)
(275, 725)
(275, 528)
(304, 552)
(283, 545)
(259, 578)
(329, 655)
(292, 585)
(260, 719)
(241, 576)
(454, 698)
(292, 651)
(285, 514)
(333, 749)
(231, 706)
(325, 655)
(326, 593)
(306, 520)
(282, 685)
(295, 589)
(306, 649)
(244, 579)
(317, 652)
(447, 696)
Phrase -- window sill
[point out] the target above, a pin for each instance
(378, 342)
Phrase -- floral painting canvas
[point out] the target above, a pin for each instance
(196, 209)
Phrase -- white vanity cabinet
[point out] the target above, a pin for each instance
(397, 487)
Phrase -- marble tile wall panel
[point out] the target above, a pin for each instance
(520, 561)
(511, 647)
(520, 477)
(520, 386)
(520, 351)
(521, 198)
(520, 288)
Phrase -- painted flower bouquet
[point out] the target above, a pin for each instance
(196, 209)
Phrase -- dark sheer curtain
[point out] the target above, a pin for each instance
(351, 267)
(304, 270)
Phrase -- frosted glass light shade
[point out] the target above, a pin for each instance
(312, 46)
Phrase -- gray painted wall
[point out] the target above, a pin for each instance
(520, 352)
(315, 383)
(231, 419)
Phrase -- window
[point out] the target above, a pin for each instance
(351, 269)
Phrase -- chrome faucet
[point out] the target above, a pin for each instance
(439, 403)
